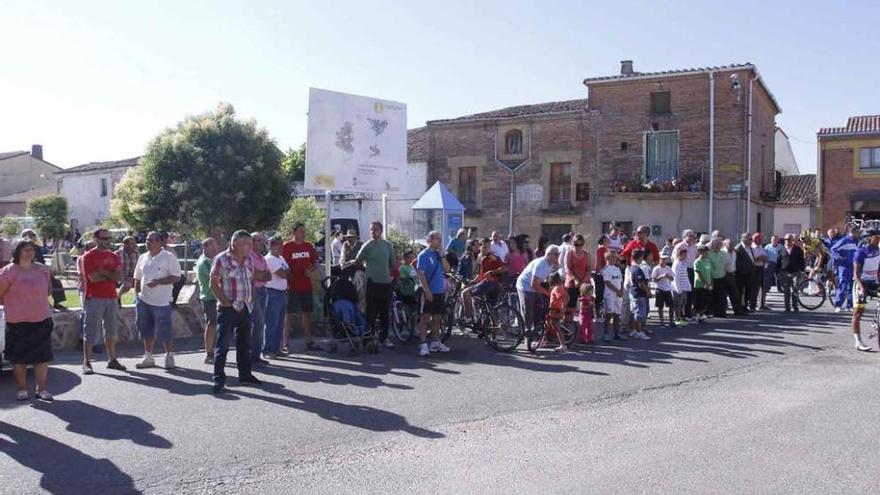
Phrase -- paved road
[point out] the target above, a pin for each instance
(767, 404)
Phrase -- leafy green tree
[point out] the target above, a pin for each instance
(50, 216)
(294, 164)
(211, 171)
(401, 242)
(307, 211)
(10, 227)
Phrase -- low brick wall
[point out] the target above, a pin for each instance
(187, 321)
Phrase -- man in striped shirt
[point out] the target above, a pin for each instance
(232, 283)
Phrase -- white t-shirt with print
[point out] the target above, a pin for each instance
(276, 263)
(150, 268)
(611, 273)
(659, 275)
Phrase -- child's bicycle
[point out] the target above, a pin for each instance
(534, 337)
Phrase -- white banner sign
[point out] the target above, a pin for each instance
(355, 143)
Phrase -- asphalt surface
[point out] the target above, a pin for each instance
(770, 403)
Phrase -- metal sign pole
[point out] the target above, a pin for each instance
(384, 211)
(328, 242)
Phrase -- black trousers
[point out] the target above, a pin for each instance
(718, 304)
(231, 322)
(689, 302)
(756, 284)
(742, 288)
(733, 294)
(598, 291)
(58, 295)
(378, 304)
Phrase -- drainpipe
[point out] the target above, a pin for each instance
(711, 151)
(749, 160)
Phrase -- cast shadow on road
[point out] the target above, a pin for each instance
(92, 421)
(60, 380)
(62, 467)
(365, 417)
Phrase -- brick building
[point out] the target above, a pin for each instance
(581, 163)
(849, 171)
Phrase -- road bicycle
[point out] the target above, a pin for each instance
(812, 291)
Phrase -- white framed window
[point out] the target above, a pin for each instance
(869, 159)
(661, 155)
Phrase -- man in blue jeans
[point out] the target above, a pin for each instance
(232, 277)
(276, 298)
(258, 316)
(154, 275)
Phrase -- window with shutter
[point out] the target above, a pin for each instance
(661, 155)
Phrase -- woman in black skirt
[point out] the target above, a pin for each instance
(25, 287)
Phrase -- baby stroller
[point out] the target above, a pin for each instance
(347, 324)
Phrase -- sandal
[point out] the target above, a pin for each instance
(22, 395)
(45, 396)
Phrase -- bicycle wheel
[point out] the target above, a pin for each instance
(506, 332)
(448, 320)
(402, 322)
(534, 337)
(569, 330)
(811, 294)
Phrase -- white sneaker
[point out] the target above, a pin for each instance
(862, 347)
(423, 350)
(388, 344)
(642, 335)
(148, 362)
(169, 362)
(838, 310)
(438, 346)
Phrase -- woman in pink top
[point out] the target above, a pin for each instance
(578, 272)
(517, 259)
(25, 287)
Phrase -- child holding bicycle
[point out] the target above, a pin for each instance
(558, 304)
(587, 313)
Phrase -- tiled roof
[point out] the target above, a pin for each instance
(798, 190)
(417, 144)
(12, 154)
(523, 111)
(685, 72)
(33, 193)
(673, 72)
(96, 166)
(864, 124)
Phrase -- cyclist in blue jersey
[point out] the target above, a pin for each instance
(865, 267)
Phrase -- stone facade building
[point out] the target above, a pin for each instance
(636, 150)
(849, 171)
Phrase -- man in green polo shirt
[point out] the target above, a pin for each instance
(206, 295)
(718, 262)
(377, 258)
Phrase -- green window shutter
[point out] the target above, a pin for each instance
(661, 158)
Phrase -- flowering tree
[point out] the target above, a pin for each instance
(212, 171)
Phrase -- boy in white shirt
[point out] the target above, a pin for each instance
(613, 295)
(662, 276)
(681, 284)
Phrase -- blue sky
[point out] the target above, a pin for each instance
(95, 80)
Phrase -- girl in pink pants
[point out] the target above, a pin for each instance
(587, 314)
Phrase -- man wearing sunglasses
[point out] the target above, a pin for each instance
(102, 270)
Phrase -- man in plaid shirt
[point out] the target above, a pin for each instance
(232, 283)
(128, 254)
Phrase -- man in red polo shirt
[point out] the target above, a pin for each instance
(301, 257)
(652, 252)
(490, 275)
(102, 269)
